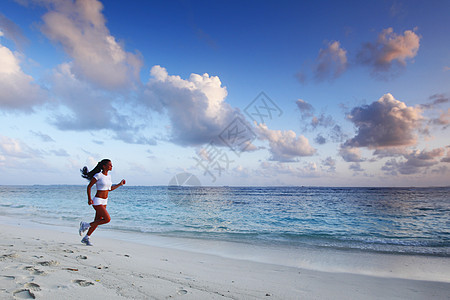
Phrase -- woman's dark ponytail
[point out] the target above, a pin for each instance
(85, 173)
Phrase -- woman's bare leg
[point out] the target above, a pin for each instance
(101, 217)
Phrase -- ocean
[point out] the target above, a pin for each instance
(381, 220)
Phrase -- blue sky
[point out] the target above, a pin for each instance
(325, 93)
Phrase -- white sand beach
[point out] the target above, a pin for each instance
(53, 264)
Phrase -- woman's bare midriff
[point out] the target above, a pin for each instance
(102, 194)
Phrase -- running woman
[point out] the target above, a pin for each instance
(99, 176)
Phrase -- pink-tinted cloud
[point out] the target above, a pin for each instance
(415, 162)
(447, 157)
(331, 62)
(15, 148)
(385, 123)
(443, 119)
(350, 154)
(389, 49)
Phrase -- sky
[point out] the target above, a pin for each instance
(231, 93)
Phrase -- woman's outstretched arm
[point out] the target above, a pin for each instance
(115, 186)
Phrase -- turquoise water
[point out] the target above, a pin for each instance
(392, 220)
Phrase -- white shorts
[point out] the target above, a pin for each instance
(100, 201)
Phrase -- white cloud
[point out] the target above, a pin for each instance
(285, 146)
(385, 123)
(14, 148)
(275, 169)
(97, 57)
(390, 48)
(18, 91)
(85, 108)
(196, 106)
(241, 172)
(89, 109)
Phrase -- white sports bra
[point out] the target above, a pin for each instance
(103, 183)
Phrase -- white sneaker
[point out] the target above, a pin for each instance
(86, 241)
(83, 227)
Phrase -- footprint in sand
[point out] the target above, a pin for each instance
(182, 292)
(32, 286)
(48, 263)
(11, 255)
(83, 282)
(34, 271)
(24, 294)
